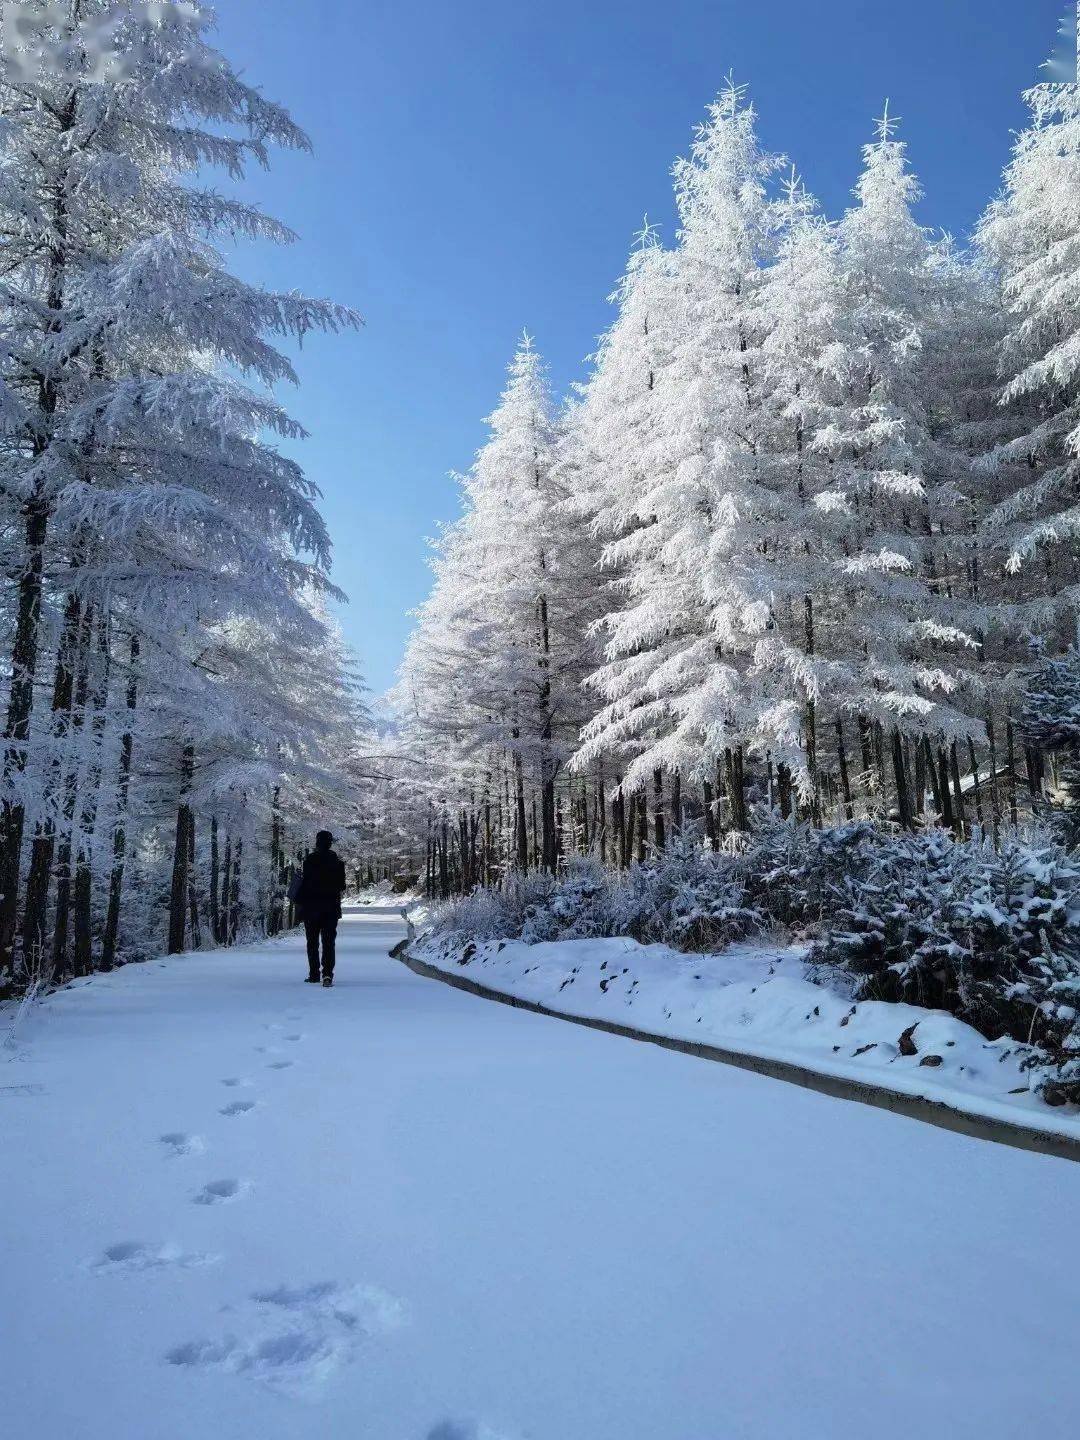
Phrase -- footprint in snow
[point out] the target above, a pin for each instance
(294, 1037)
(177, 1142)
(234, 1080)
(220, 1192)
(129, 1257)
(294, 1339)
(238, 1107)
(279, 1065)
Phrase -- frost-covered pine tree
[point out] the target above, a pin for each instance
(673, 687)
(799, 559)
(807, 657)
(134, 388)
(1030, 236)
(611, 435)
(894, 487)
(496, 657)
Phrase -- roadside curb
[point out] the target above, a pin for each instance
(915, 1107)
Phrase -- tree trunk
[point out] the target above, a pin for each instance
(948, 818)
(123, 785)
(618, 827)
(234, 897)
(549, 826)
(866, 745)
(902, 791)
(215, 906)
(71, 786)
(845, 779)
(1035, 774)
(995, 792)
(628, 821)
(976, 785)
(24, 657)
(275, 917)
(36, 515)
(226, 889)
(920, 778)
(600, 825)
(39, 878)
(880, 777)
(932, 775)
(193, 888)
(549, 858)
(959, 816)
(783, 785)
(520, 822)
(1010, 761)
(659, 834)
(91, 786)
(178, 893)
(810, 718)
(736, 787)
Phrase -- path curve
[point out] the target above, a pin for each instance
(840, 1087)
(441, 1220)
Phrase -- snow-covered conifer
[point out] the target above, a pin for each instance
(135, 388)
(673, 686)
(1030, 235)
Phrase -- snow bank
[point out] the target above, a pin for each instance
(756, 999)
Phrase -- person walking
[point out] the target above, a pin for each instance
(319, 899)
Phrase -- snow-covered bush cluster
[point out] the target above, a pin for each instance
(688, 897)
(992, 937)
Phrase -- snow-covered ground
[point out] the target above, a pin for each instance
(754, 998)
(242, 1208)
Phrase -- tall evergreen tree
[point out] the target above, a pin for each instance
(140, 504)
(1030, 236)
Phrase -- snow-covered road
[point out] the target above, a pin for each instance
(236, 1207)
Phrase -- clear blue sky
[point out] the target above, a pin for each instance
(480, 167)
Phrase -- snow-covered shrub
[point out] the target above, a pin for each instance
(1025, 969)
(799, 875)
(993, 938)
(1056, 1053)
(894, 919)
(494, 914)
(688, 898)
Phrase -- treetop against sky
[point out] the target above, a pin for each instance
(478, 170)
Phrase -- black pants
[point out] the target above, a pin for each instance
(324, 928)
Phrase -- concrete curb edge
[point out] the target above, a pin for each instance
(915, 1107)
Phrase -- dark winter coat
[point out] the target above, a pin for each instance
(321, 885)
